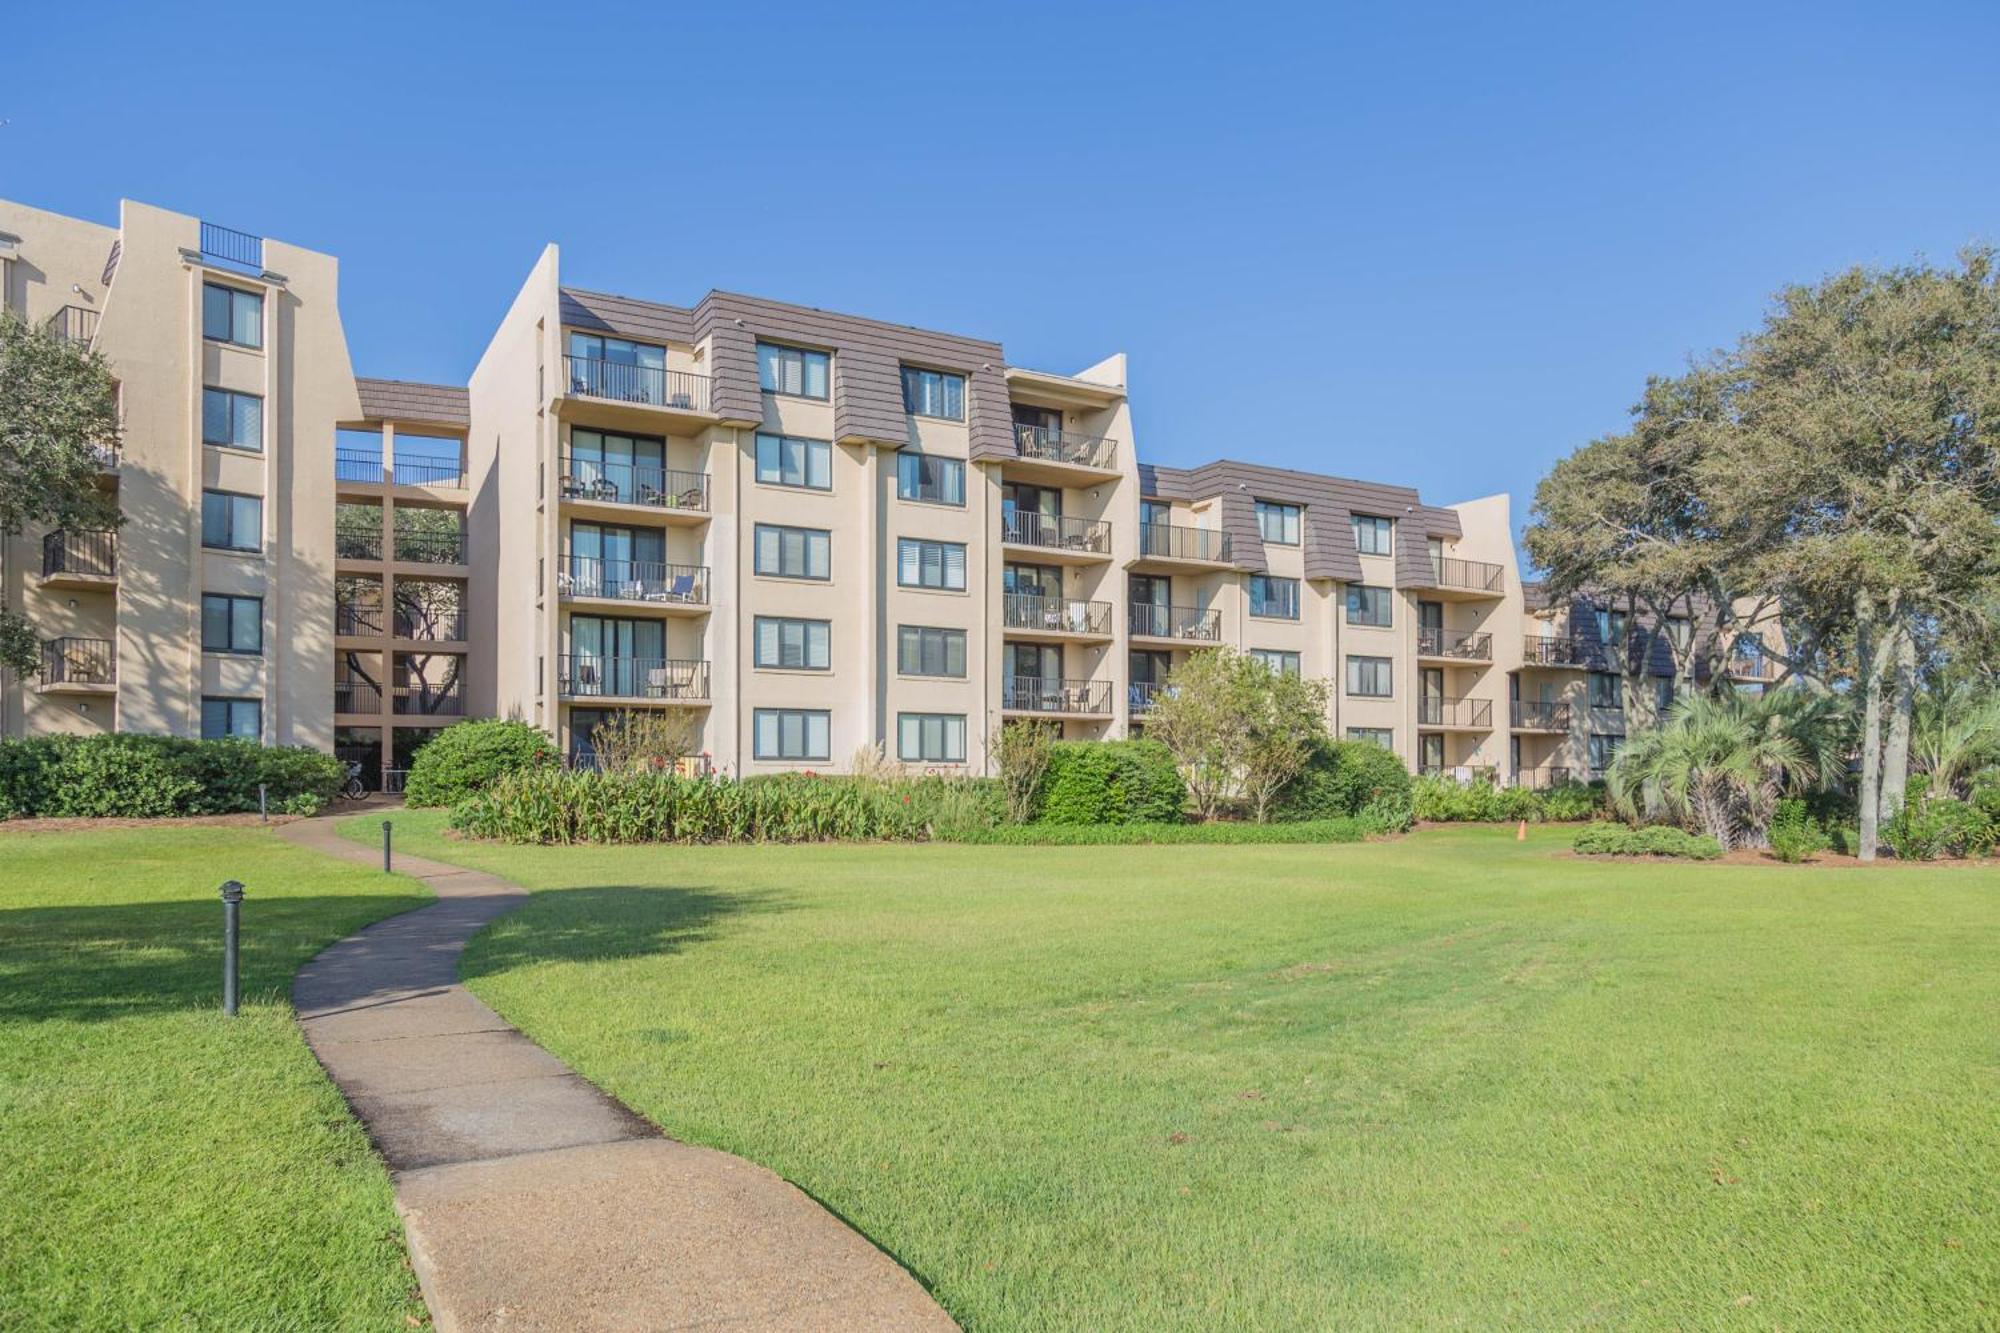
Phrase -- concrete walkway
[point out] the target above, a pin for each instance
(534, 1201)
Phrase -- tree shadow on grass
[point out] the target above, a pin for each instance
(89, 964)
(608, 922)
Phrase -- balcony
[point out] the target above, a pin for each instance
(427, 700)
(1471, 579)
(1061, 457)
(357, 621)
(357, 696)
(1059, 698)
(1141, 695)
(1530, 715)
(364, 467)
(1072, 540)
(79, 666)
(1026, 616)
(430, 548)
(237, 249)
(1553, 650)
(588, 482)
(643, 679)
(1187, 625)
(1548, 775)
(646, 583)
(80, 560)
(72, 324)
(644, 396)
(429, 627)
(1454, 645)
(1444, 714)
(357, 543)
(1174, 544)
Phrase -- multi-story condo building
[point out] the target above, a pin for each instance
(810, 533)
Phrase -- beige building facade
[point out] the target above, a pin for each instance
(808, 535)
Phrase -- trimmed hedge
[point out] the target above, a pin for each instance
(151, 777)
(1443, 800)
(1609, 839)
(544, 804)
(1344, 779)
(1087, 835)
(466, 757)
(1111, 782)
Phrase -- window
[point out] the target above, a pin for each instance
(794, 553)
(924, 651)
(1679, 631)
(232, 420)
(791, 733)
(1281, 663)
(784, 461)
(1372, 535)
(1610, 627)
(933, 393)
(1278, 522)
(618, 368)
(1381, 736)
(1369, 677)
(931, 738)
(232, 315)
(1274, 597)
(930, 479)
(1368, 605)
(231, 522)
(791, 370)
(1603, 749)
(799, 645)
(231, 624)
(923, 564)
(223, 718)
(1604, 690)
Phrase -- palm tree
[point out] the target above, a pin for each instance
(1955, 736)
(1720, 762)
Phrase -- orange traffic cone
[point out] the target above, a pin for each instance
(1521, 833)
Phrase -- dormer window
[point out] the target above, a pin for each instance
(933, 393)
(794, 371)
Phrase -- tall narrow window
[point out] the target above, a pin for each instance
(232, 315)
(791, 370)
(232, 420)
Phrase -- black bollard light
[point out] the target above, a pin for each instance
(232, 910)
(385, 846)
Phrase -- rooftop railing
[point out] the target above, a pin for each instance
(650, 386)
(1054, 532)
(1055, 446)
(1173, 541)
(232, 247)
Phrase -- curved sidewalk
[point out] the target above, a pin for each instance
(533, 1200)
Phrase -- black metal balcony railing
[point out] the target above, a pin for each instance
(1435, 710)
(1533, 715)
(363, 465)
(1552, 650)
(79, 662)
(1463, 645)
(1034, 694)
(427, 700)
(431, 548)
(73, 324)
(348, 619)
(1466, 575)
(94, 554)
(357, 696)
(632, 483)
(357, 543)
(430, 627)
(1141, 695)
(1549, 775)
(1021, 610)
(232, 247)
(1055, 446)
(633, 580)
(1055, 532)
(1173, 541)
(587, 676)
(653, 386)
(428, 472)
(1175, 622)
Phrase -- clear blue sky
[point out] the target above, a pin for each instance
(1440, 245)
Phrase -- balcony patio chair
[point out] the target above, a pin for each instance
(681, 589)
(649, 494)
(685, 402)
(571, 488)
(604, 489)
(1076, 617)
(692, 498)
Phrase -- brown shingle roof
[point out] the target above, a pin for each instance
(406, 400)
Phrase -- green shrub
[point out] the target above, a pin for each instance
(133, 777)
(145, 777)
(1929, 827)
(1608, 839)
(1111, 782)
(467, 757)
(547, 804)
(1343, 779)
(1571, 802)
(296, 780)
(1443, 800)
(28, 774)
(1795, 835)
(1087, 835)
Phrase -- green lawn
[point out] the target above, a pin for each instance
(1451, 1081)
(161, 1165)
